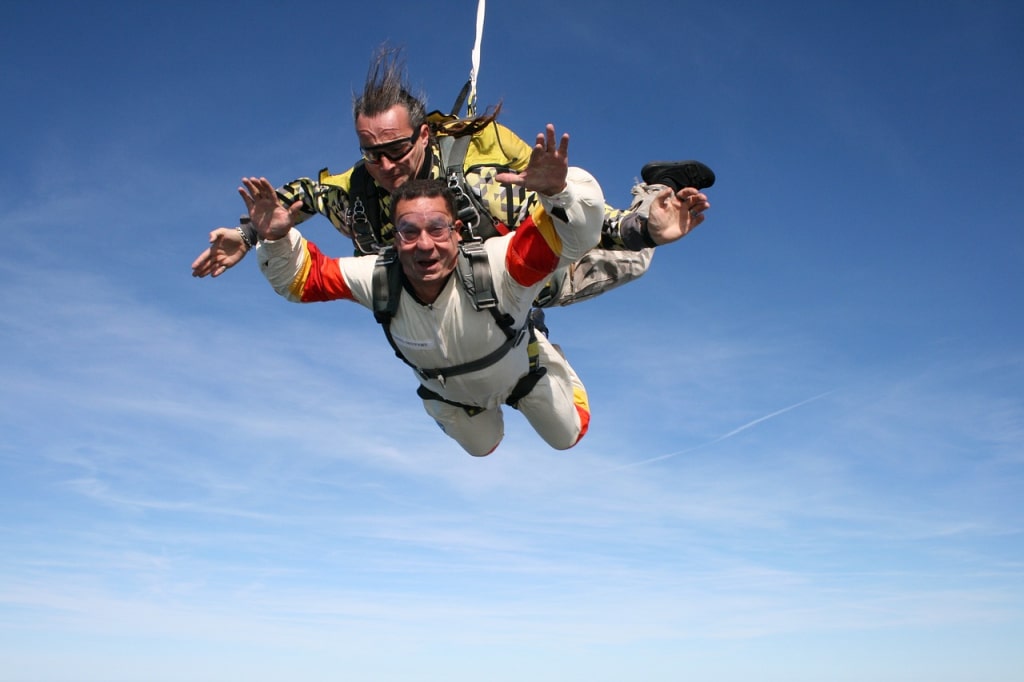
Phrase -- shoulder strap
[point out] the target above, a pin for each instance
(476, 218)
(387, 285)
(365, 210)
(473, 271)
(387, 288)
(461, 99)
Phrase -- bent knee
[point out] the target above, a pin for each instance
(566, 441)
(478, 452)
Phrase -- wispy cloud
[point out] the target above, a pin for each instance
(728, 435)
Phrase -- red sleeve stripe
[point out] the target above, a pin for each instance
(530, 257)
(321, 278)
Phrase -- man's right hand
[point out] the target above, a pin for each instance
(548, 166)
(269, 216)
(226, 249)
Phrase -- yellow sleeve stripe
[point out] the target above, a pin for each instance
(298, 284)
(546, 228)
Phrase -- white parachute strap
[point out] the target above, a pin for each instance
(481, 6)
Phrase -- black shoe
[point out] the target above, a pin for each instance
(678, 174)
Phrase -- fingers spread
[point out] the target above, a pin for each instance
(563, 146)
(550, 131)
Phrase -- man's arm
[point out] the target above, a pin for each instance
(295, 267)
(228, 245)
(652, 219)
(567, 221)
(299, 271)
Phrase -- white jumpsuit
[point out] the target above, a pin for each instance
(451, 332)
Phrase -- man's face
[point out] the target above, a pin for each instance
(393, 150)
(427, 259)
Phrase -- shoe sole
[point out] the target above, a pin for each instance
(678, 174)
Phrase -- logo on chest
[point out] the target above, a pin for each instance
(415, 344)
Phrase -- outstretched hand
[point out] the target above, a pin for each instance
(548, 167)
(226, 249)
(269, 216)
(674, 214)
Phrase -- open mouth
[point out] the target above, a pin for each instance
(427, 263)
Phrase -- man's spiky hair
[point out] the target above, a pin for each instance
(386, 87)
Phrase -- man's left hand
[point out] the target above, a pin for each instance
(674, 214)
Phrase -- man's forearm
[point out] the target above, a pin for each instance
(577, 213)
(281, 261)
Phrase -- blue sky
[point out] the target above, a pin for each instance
(807, 448)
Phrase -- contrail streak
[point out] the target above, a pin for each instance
(730, 434)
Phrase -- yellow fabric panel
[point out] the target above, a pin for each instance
(298, 284)
(497, 145)
(546, 228)
(342, 180)
(580, 398)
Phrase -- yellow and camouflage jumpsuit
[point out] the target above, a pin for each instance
(361, 210)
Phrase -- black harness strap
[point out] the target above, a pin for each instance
(426, 394)
(474, 216)
(365, 210)
(387, 287)
(475, 273)
(441, 374)
(530, 379)
(461, 99)
(475, 276)
(522, 388)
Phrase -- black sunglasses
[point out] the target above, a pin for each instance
(394, 151)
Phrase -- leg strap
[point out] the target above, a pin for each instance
(521, 390)
(426, 394)
(530, 379)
